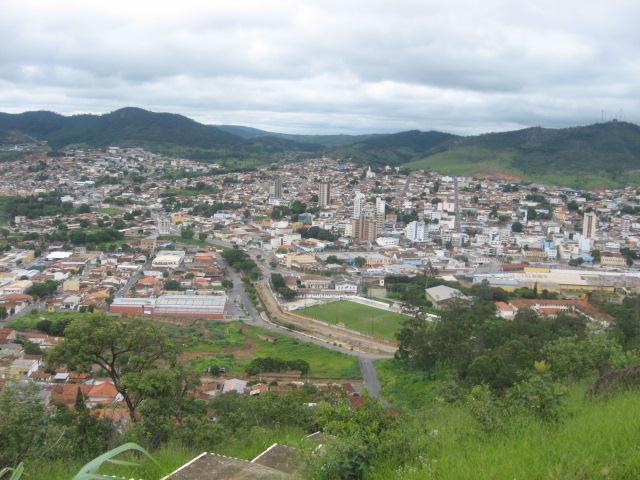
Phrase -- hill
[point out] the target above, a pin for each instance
(163, 132)
(605, 154)
(328, 141)
(600, 155)
(397, 148)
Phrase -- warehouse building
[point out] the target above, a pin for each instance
(186, 306)
(168, 259)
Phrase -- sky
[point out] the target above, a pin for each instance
(320, 66)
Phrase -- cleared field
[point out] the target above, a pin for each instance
(361, 318)
(234, 345)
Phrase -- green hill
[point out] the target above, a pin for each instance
(164, 132)
(396, 148)
(606, 154)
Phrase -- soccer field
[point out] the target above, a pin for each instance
(362, 318)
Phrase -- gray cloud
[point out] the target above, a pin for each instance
(327, 66)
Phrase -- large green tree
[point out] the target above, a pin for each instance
(122, 347)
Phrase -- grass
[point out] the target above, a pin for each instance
(178, 239)
(32, 319)
(110, 210)
(471, 160)
(407, 388)
(467, 161)
(233, 345)
(595, 439)
(170, 457)
(361, 318)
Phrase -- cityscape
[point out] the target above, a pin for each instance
(311, 240)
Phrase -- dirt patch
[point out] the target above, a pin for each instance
(498, 175)
(248, 350)
(189, 356)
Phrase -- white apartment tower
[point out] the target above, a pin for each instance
(275, 188)
(164, 225)
(358, 204)
(324, 195)
(589, 224)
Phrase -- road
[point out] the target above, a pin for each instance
(406, 185)
(370, 377)
(240, 305)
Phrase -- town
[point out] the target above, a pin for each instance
(320, 256)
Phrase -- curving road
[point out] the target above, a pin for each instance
(240, 304)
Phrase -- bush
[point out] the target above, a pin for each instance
(269, 364)
(537, 395)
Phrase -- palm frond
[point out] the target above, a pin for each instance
(14, 473)
(90, 470)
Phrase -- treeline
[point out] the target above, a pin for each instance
(479, 348)
(241, 261)
(36, 206)
(208, 210)
(317, 233)
(277, 281)
(269, 364)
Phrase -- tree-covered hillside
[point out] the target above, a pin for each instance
(604, 154)
(164, 132)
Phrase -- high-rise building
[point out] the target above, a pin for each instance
(164, 225)
(416, 231)
(589, 224)
(380, 214)
(275, 188)
(457, 204)
(358, 204)
(364, 228)
(324, 195)
(625, 225)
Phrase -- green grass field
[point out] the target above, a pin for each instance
(594, 438)
(110, 210)
(470, 160)
(184, 241)
(407, 388)
(234, 345)
(361, 318)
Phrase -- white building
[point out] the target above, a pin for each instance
(168, 259)
(416, 231)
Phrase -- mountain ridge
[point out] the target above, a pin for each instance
(603, 153)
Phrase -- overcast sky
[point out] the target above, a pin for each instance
(327, 66)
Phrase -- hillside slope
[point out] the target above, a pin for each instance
(164, 132)
(606, 154)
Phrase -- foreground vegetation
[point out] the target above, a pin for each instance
(472, 396)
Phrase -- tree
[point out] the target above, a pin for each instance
(122, 347)
(3, 312)
(22, 417)
(187, 233)
(516, 227)
(42, 290)
(172, 285)
(360, 262)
